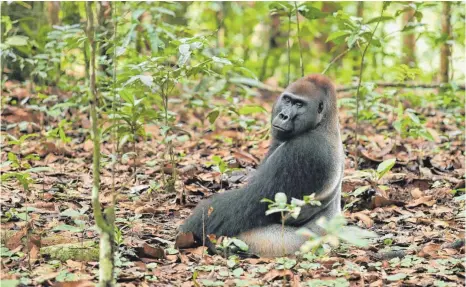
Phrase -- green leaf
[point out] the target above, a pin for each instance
(280, 6)
(280, 197)
(221, 61)
(240, 244)
(311, 12)
(267, 200)
(360, 190)
(70, 213)
(164, 11)
(336, 35)
(297, 202)
(17, 40)
(251, 109)
(427, 135)
(9, 283)
(66, 227)
(385, 166)
(355, 235)
(12, 157)
(184, 49)
(380, 19)
(397, 277)
(213, 115)
(38, 169)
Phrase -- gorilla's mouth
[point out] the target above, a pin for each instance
(281, 129)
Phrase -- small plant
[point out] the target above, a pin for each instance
(129, 122)
(221, 166)
(406, 73)
(373, 177)
(22, 168)
(293, 209)
(409, 125)
(59, 134)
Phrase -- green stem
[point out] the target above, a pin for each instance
(359, 84)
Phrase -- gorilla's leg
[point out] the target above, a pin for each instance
(274, 241)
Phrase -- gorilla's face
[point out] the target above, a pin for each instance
(295, 114)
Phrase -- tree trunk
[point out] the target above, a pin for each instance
(445, 49)
(53, 9)
(105, 225)
(409, 41)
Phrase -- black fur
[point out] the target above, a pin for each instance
(302, 164)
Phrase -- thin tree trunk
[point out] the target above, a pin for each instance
(445, 49)
(409, 41)
(53, 9)
(104, 224)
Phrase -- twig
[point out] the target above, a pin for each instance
(334, 60)
(299, 40)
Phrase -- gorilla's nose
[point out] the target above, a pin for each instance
(283, 116)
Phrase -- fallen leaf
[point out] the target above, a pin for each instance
(364, 218)
(430, 250)
(244, 156)
(185, 240)
(416, 193)
(144, 209)
(80, 283)
(15, 240)
(149, 251)
(275, 274)
(426, 200)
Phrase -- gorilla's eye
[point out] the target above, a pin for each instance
(299, 104)
(287, 99)
(321, 107)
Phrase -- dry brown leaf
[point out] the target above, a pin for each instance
(148, 251)
(244, 156)
(15, 240)
(381, 201)
(88, 145)
(275, 274)
(50, 206)
(364, 218)
(185, 240)
(80, 283)
(34, 253)
(430, 250)
(426, 200)
(416, 193)
(144, 209)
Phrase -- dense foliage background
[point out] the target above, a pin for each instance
(182, 93)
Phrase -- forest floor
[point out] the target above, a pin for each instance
(419, 219)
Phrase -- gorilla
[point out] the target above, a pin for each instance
(305, 157)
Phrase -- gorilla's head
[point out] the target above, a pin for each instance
(303, 106)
